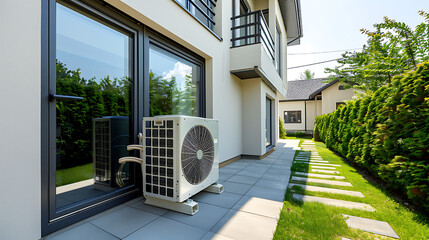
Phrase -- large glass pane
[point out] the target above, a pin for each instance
(93, 62)
(174, 84)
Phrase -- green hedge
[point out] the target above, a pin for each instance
(387, 133)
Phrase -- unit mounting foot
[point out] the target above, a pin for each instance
(189, 206)
(215, 188)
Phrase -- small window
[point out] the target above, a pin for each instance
(292, 117)
(338, 104)
(341, 87)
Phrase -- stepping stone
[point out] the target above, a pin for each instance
(334, 202)
(325, 171)
(320, 175)
(328, 190)
(372, 226)
(322, 167)
(315, 161)
(325, 164)
(315, 180)
(343, 238)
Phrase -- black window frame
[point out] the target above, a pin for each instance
(158, 40)
(270, 118)
(51, 219)
(300, 117)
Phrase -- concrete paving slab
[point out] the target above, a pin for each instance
(238, 188)
(131, 220)
(225, 199)
(372, 226)
(260, 206)
(148, 208)
(245, 226)
(164, 228)
(315, 180)
(243, 179)
(320, 175)
(269, 183)
(214, 236)
(267, 193)
(322, 167)
(334, 202)
(84, 231)
(325, 171)
(328, 190)
(206, 217)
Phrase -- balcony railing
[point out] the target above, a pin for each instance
(202, 10)
(251, 28)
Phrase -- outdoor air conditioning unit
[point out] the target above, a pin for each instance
(110, 140)
(180, 159)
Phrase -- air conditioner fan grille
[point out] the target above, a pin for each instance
(197, 154)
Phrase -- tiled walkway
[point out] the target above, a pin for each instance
(248, 209)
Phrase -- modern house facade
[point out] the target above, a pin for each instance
(77, 74)
(307, 99)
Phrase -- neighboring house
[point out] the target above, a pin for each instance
(65, 64)
(307, 99)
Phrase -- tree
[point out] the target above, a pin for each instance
(392, 48)
(307, 74)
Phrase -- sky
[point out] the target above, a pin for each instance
(330, 25)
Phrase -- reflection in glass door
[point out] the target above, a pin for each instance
(268, 122)
(92, 96)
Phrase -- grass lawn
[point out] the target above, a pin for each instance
(318, 221)
(74, 174)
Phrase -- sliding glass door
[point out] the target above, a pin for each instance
(91, 112)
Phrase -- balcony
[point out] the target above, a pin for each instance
(253, 49)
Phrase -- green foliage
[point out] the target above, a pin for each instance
(307, 74)
(282, 129)
(387, 132)
(392, 48)
(105, 97)
(167, 98)
(108, 97)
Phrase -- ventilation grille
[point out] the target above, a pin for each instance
(197, 154)
(159, 157)
(102, 151)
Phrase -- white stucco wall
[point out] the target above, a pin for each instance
(20, 59)
(332, 95)
(252, 119)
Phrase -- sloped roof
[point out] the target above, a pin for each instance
(306, 89)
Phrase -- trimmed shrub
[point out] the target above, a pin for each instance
(387, 133)
(282, 129)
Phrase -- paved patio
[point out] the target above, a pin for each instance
(248, 208)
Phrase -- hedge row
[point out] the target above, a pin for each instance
(387, 133)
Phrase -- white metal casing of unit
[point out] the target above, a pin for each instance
(164, 176)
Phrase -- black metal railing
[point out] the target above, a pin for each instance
(251, 28)
(203, 10)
